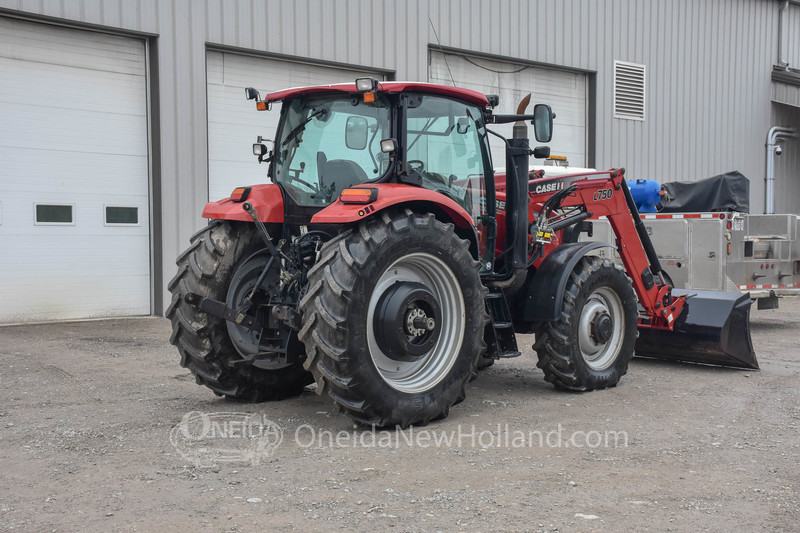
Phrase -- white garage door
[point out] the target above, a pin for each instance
(73, 174)
(233, 122)
(564, 91)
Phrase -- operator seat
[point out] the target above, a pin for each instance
(344, 173)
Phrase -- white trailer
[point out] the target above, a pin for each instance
(721, 251)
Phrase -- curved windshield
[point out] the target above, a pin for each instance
(330, 143)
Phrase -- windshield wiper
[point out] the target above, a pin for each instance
(300, 127)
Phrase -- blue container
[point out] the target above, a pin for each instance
(646, 194)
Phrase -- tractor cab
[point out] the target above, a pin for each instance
(333, 139)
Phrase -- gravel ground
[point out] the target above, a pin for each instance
(90, 439)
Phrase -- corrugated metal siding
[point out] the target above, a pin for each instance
(791, 52)
(708, 86)
(787, 165)
(708, 63)
(786, 93)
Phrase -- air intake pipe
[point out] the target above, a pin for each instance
(518, 165)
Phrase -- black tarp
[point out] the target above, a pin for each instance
(726, 192)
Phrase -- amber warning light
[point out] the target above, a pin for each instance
(362, 195)
(240, 194)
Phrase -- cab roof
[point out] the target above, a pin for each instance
(473, 97)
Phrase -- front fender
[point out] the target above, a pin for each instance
(545, 292)
(266, 199)
(392, 194)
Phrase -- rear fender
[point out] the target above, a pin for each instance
(545, 291)
(266, 199)
(392, 195)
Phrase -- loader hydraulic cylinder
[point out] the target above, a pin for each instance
(647, 244)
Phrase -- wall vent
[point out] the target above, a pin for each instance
(629, 90)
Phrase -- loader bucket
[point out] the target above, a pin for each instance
(715, 330)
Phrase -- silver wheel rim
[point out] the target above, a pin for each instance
(601, 355)
(426, 372)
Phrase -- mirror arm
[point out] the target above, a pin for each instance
(505, 119)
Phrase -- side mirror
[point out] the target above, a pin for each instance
(251, 94)
(355, 133)
(543, 122)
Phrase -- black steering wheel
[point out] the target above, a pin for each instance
(416, 164)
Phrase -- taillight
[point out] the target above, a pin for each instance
(359, 195)
(240, 194)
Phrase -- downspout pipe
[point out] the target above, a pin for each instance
(782, 62)
(776, 135)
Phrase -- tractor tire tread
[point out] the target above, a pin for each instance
(556, 346)
(202, 340)
(326, 330)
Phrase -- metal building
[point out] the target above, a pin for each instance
(120, 119)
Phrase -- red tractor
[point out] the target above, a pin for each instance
(388, 263)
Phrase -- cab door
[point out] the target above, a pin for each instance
(446, 144)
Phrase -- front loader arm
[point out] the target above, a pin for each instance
(606, 194)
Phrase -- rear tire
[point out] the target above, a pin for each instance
(207, 268)
(590, 345)
(360, 344)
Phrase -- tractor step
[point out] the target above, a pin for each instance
(501, 343)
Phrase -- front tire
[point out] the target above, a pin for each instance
(393, 320)
(590, 345)
(220, 254)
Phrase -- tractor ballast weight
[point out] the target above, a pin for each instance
(387, 263)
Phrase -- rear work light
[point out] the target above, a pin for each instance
(359, 195)
(364, 85)
(240, 194)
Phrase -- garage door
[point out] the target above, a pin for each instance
(564, 91)
(233, 122)
(73, 174)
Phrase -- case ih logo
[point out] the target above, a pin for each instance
(549, 187)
